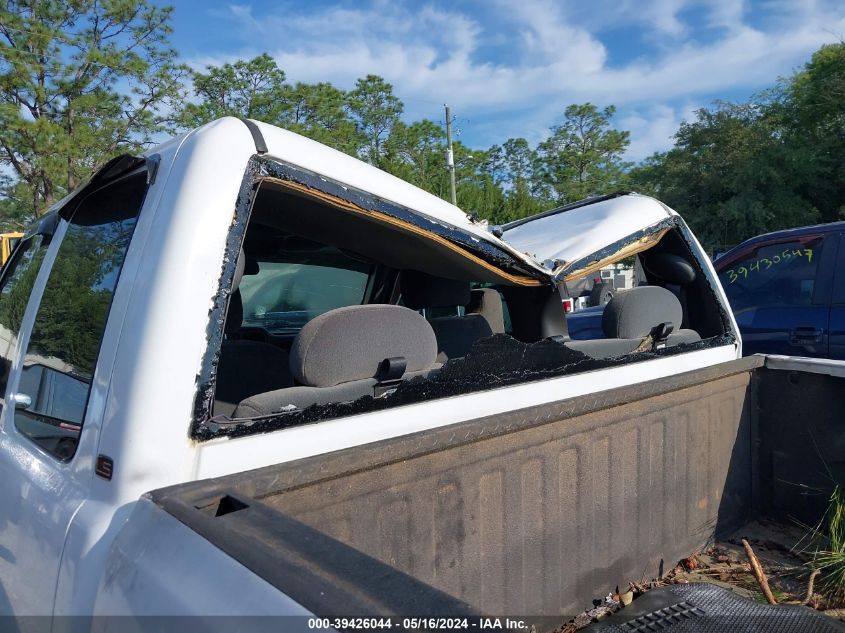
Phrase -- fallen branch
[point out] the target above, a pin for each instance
(810, 585)
(759, 574)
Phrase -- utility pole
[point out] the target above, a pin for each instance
(450, 157)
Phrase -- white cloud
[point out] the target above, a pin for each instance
(653, 128)
(547, 54)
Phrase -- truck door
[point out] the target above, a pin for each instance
(837, 308)
(45, 468)
(780, 296)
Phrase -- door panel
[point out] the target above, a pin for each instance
(40, 490)
(780, 297)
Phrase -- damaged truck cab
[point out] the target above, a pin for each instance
(242, 297)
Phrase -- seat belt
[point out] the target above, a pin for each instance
(656, 339)
(389, 376)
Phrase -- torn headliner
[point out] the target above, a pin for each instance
(374, 236)
(479, 246)
(630, 245)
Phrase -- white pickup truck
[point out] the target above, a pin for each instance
(244, 298)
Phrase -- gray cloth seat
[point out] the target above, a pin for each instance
(630, 317)
(455, 334)
(674, 272)
(246, 367)
(338, 356)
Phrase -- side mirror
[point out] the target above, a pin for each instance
(21, 400)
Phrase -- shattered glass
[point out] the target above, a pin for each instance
(492, 362)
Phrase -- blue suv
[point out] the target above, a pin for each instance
(787, 291)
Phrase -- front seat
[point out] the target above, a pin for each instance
(455, 334)
(245, 367)
(634, 315)
(675, 273)
(348, 353)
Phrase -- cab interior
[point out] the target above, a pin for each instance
(331, 302)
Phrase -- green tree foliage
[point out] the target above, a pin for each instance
(75, 302)
(476, 189)
(16, 291)
(375, 110)
(739, 170)
(417, 153)
(251, 89)
(515, 166)
(501, 184)
(79, 82)
(809, 108)
(730, 174)
(583, 156)
(318, 111)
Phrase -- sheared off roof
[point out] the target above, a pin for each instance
(573, 234)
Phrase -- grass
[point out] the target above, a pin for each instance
(829, 557)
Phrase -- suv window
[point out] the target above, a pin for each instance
(59, 363)
(15, 289)
(780, 274)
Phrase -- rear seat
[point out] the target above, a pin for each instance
(337, 356)
(631, 316)
(455, 334)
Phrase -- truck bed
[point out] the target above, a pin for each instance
(537, 511)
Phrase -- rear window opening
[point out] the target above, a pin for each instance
(335, 312)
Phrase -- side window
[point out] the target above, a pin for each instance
(59, 363)
(780, 274)
(283, 290)
(15, 289)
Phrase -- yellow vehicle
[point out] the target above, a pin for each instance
(8, 241)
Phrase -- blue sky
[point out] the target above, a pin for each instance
(509, 68)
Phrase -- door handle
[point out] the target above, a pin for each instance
(21, 400)
(806, 335)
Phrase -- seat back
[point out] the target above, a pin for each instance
(487, 303)
(633, 315)
(340, 356)
(455, 334)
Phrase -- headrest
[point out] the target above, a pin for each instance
(634, 313)
(350, 343)
(488, 303)
(669, 267)
(243, 266)
(553, 318)
(421, 290)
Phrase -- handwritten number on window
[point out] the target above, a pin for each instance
(754, 266)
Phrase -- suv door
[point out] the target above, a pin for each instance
(780, 296)
(837, 308)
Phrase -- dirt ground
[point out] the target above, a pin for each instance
(777, 546)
